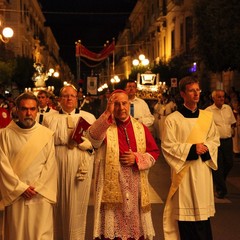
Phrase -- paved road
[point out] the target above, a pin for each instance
(225, 224)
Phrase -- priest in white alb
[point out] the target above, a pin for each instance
(190, 142)
(28, 175)
(75, 166)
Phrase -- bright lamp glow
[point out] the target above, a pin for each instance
(135, 62)
(7, 32)
(51, 70)
(56, 74)
(145, 62)
(141, 57)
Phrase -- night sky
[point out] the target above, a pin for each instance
(91, 21)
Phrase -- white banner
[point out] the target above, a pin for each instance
(174, 82)
(92, 85)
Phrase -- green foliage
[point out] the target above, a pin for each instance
(6, 71)
(56, 82)
(178, 67)
(217, 26)
(136, 70)
(23, 72)
(163, 70)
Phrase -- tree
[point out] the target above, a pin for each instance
(217, 26)
(163, 70)
(56, 82)
(23, 72)
(7, 65)
(138, 69)
(6, 72)
(178, 67)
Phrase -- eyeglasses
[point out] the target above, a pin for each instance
(68, 96)
(194, 91)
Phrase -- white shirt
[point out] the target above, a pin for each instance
(142, 112)
(223, 118)
(44, 112)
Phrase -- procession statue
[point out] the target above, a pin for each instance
(39, 77)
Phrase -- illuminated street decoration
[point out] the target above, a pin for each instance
(82, 51)
(39, 77)
(86, 56)
(149, 86)
(143, 61)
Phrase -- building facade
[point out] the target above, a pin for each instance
(32, 39)
(162, 30)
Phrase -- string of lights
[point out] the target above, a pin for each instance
(79, 13)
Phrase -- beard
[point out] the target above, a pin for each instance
(28, 122)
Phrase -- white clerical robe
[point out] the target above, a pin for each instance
(73, 194)
(194, 198)
(26, 219)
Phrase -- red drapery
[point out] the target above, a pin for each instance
(82, 51)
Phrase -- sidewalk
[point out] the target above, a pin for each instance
(225, 223)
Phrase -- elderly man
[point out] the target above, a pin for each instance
(126, 152)
(225, 121)
(28, 174)
(189, 143)
(75, 166)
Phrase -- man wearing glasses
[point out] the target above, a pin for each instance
(75, 166)
(190, 141)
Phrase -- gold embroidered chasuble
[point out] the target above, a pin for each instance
(111, 190)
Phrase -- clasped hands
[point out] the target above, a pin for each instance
(127, 159)
(201, 148)
(29, 193)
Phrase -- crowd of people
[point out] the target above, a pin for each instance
(46, 176)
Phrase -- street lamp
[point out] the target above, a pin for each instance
(141, 61)
(114, 80)
(52, 72)
(101, 88)
(6, 34)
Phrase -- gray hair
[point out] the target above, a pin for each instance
(25, 96)
(214, 93)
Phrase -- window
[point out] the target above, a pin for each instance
(189, 31)
(173, 40)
